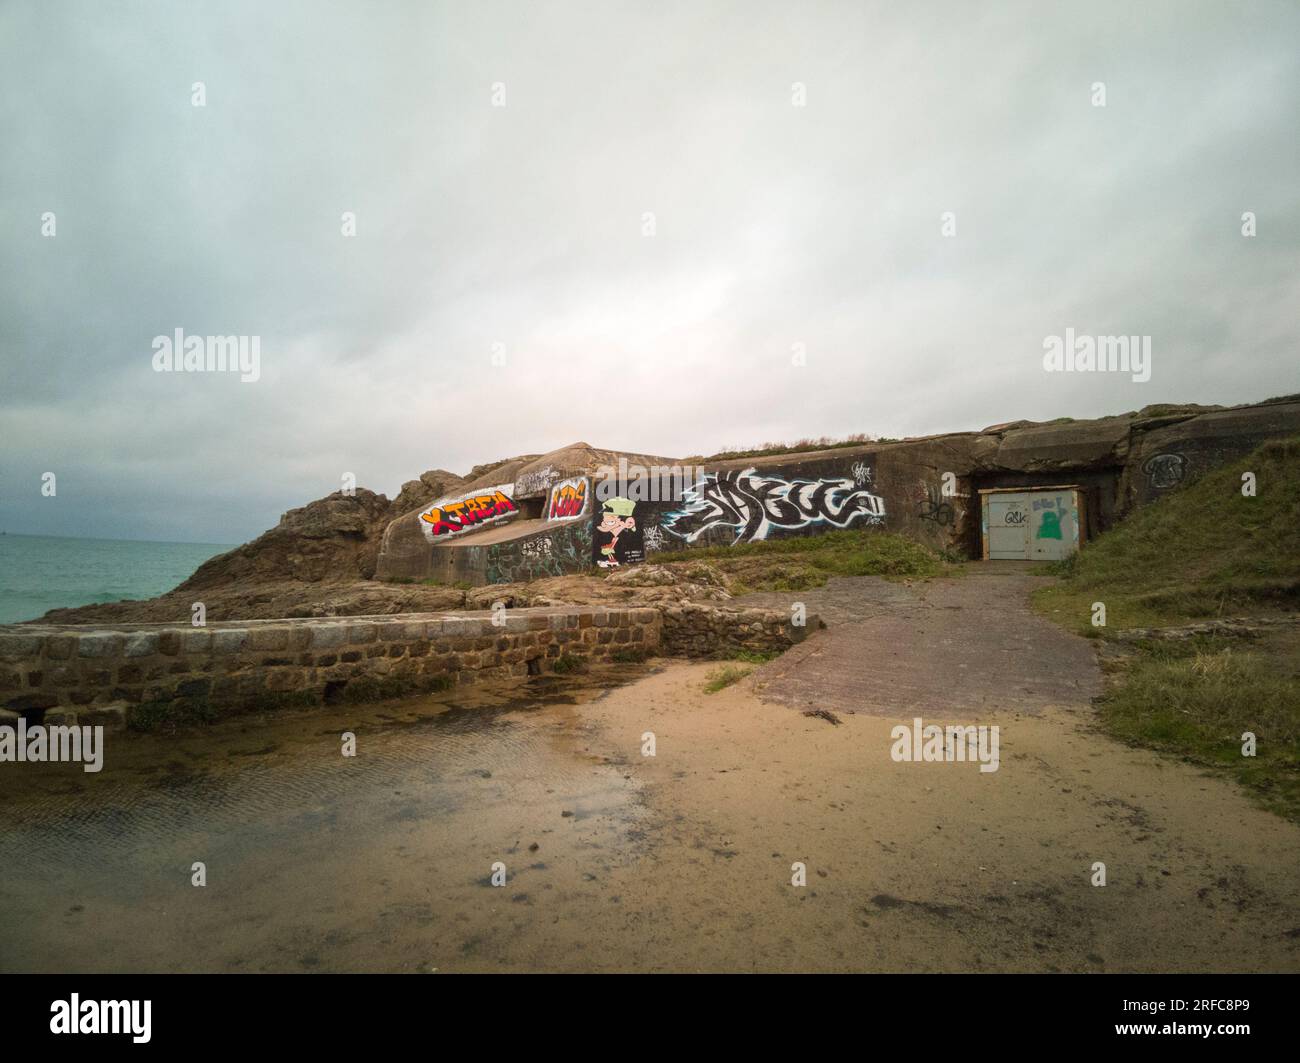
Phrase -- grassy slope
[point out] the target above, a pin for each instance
(1203, 551)
(1200, 552)
(800, 562)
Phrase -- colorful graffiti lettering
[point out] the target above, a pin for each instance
(752, 505)
(568, 500)
(449, 517)
(617, 541)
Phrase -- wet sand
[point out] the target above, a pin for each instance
(680, 862)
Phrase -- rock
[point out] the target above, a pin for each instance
(432, 485)
(332, 537)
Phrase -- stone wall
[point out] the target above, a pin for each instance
(695, 630)
(139, 670)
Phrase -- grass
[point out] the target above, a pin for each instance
(860, 439)
(723, 677)
(1196, 699)
(800, 562)
(1202, 551)
(755, 656)
(567, 663)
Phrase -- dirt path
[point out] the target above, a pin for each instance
(955, 645)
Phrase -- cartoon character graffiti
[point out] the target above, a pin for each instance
(617, 521)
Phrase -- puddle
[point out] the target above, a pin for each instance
(315, 861)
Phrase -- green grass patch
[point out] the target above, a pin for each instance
(567, 663)
(805, 561)
(1197, 697)
(755, 656)
(724, 677)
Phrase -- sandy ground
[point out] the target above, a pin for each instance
(939, 867)
(677, 862)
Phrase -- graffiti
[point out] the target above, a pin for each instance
(752, 505)
(617, 525)
(1050, 528)
(931, 508)
(448, 517)
(531, 483)
(557, 553)
(654, 538)
(536, 549)
(861, 473)
(1016, 516)
(568, 500)
(1165, 470)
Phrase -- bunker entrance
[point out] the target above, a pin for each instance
(1032, 524)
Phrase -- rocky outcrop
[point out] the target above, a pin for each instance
(432, 485)
(329, 539)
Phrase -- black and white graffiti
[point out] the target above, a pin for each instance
(654, 537)
(1165, 470)
(861, 473)
(933, 507)
(753, 505)
(530, 483)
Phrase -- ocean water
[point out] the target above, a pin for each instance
(39, 572)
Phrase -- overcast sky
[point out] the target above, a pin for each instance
(524, 225)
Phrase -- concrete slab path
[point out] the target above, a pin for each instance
(950, 646)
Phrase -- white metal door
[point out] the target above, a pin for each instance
(1009, 527)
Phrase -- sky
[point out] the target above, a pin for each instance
(662, 227)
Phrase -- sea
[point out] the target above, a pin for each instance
(41, 572)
